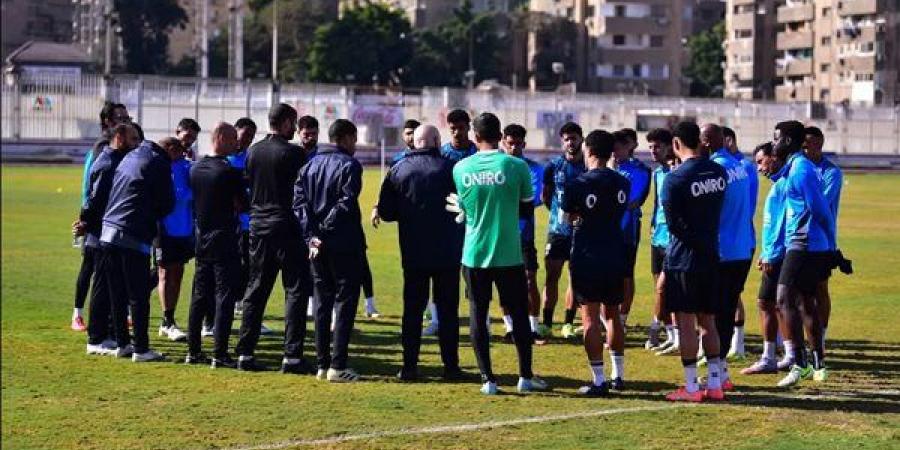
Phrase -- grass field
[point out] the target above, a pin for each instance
(54, 396)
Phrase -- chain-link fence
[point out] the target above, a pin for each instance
(67, 108)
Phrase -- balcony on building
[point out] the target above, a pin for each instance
(794, 67)
(633, 25)
(857, 7)
(800, 92)
(789, 40)
(743, 21)
(797, 12)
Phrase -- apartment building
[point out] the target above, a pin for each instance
(23, 21)
(813, 50)
(632, 46)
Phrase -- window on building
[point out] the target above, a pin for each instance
(656, 41)
(620, 10)
(619, 39)
(826, 12)
(824, 94)
(826, 41)
(865, 76)
(589, 11)
(618, 70)
(867, 47)
(658, 10)
(742, 34)
(824, 67)
(636, 70)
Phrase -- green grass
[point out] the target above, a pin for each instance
(56, 397)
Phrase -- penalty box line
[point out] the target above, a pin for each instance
(461, 428)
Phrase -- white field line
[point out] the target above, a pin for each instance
(461, 428)
(738, 400)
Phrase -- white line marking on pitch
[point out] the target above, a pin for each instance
(460, 428)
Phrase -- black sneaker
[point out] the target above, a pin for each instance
(301, 368)
(223, 362)
(538, 339)
(618, 384)
(250, 365)
(593, 390)
(196, 358)
(407, 375)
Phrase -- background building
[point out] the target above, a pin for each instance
(822, 50)
(630, 46)
(29, 20)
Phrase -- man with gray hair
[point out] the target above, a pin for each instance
(413, 194)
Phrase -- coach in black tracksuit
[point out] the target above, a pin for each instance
(123, 138)
(220, 193)
(142, 194)
(413, 194)
(275, 243)
(326, 202)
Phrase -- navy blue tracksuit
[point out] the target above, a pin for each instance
(413, 194)
(326, 203)
(141, 195)
(100, 178)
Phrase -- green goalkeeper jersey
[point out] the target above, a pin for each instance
(491, 186)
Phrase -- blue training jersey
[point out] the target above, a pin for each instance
(86, 176)
(736, 239)
(638, 175)
(810, 223)
(659, 235)
(180, 222)
(456, 155)
(773, 248)
(559, 172)
(526, 220)
(750, 167)
(239, 161)
(832, 182)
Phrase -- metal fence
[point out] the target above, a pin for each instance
(66, 108)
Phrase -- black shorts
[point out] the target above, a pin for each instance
(657, 257)
(768, 284)
(559, 247)
(692, 292)
(512, 286)
(630, 260)
(529, 255)
(174, 250)
(732, 278)
(805, 270)
(609, 290)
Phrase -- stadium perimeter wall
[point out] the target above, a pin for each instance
(54, 117)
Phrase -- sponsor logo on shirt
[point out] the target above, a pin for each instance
(483, 179)
(736, 173)
(708, 186)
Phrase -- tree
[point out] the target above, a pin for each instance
(371, 42)
(145, 31)
(442, 55)
(297, 21)
(706, 58)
